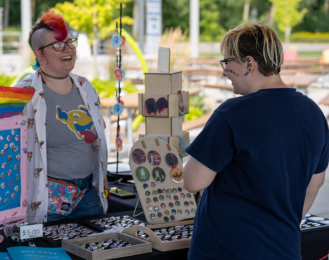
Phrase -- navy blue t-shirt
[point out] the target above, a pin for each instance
(265, 147)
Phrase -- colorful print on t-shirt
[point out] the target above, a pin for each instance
(79, 122)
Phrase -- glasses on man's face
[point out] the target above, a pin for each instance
(60, 45)
(224, 62)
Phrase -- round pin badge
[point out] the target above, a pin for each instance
(155, 199)
(191, 202)
(153, 184)
(10, 172)
(166, 212)
(16, 188)
(156, 208)
(171, 205)
(123, 41)
(168, 197)
(176, 197)
(3, 185)
(3, 165)
(116, 41)
(117, 74)
(142, 174)
(2, 152)
(3, 175)
(154, 192)
(159, 215)
(17, 138)
(188, 195)
(12, 132)
(163, 206)
(176, 175)
(5, 146)
(118, 144)
(172, 217)
(171, 160)
(159, 175)
(174, 190)
(145, 186)
(193, 211)
(180, 102)
(159, 191)
(117, 109)
(154, 158)
(9, 158)
(177, 203)
(169, 191)
(8, 138)
(147, 193)
(161, 197)
(166, 219)
(179, 212)
(180, 189)
(139, 157)
(182, 195)
(123, 74)
(18, 157)
(186, 204)
(173, 211)
(187, 212)
(152, 216)
(11, 146)
(148, 200)
(149, 208)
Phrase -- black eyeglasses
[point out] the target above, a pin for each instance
(224, 62)
(60, 45)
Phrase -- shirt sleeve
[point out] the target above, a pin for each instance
(214, 146)
(324, 158)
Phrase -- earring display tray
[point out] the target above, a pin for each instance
(165, 237)
(137, 246)
(312, 222)
(157, 170)
(55, 234)
(103, 224)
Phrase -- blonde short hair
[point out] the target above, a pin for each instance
(257, 40)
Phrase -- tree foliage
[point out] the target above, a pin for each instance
(287, 13)
(79, 15)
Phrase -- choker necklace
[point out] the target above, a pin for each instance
(53, 77)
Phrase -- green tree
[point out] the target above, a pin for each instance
(210, 28)
(287, 15)
(96, 18)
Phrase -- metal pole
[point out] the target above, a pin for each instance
(194, 27)
(1, 28)
(141, 24)
(26, 24)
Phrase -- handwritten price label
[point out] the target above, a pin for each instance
(31, 231)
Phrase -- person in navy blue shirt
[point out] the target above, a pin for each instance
(261, 157)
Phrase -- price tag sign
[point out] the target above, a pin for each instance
(31, 231)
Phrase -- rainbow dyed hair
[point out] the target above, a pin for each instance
(52, 22)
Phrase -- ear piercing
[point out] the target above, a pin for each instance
(250, 66)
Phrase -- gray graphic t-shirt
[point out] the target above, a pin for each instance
(70, 135)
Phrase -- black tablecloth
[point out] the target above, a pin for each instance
(314, 244)
(118, 204)
(158, 255)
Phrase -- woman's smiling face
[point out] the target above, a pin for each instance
(57, 63)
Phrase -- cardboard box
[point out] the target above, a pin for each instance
(163, 126)
(163, 83)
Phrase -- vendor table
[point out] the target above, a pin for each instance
(314, 244)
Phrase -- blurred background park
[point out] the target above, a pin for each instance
(192, 29)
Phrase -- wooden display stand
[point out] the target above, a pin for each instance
(155, 159)
(157, 243)
(138, 247)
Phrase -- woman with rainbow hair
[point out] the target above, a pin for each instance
(66, 174)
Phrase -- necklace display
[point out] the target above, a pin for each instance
(53, 77)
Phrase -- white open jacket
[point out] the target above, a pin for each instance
(35, 111)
